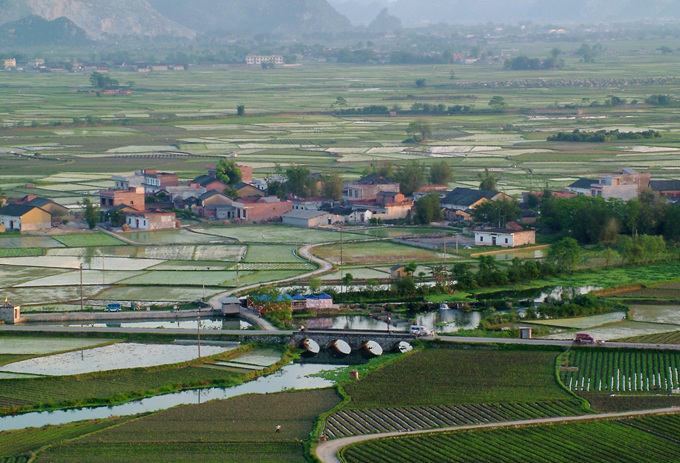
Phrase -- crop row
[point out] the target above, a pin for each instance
(671, 337)
(276, 266)
(629, 371)
(447, 377)
(239, 452)
(602, 441)
(352, 422)
(20, 442)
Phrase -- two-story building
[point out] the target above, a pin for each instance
(368, 188)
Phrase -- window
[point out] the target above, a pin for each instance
(481, 238)
(506, 240)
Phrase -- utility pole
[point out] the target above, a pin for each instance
(341, 282)
(81, 287)
(198, 328)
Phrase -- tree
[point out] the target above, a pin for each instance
(347, 279)
(496, 212)
(487, 181)
(300, 181)
(331, 186)
(91, 213)
(565, 254)
(228, 172)
(101, 81)
(421, 83)
(410, 177)
(339, 102)
(314, 284)
(241, 110)
(440, 173)
(428, 209)
(419, 130)
(383, 168)
(497, 103)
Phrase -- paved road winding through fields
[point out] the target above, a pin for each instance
(328, 451)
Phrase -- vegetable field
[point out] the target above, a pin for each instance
(242, 429)
(16, 444)
(672, 337)
(622, 371)
(352, 422)
(447, 377)
(652, 439)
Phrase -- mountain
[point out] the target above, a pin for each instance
(259, 16)
(385, 23)
(360, 12)
(507, 11)
(34, 30)
(98, 18)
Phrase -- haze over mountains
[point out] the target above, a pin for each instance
(102, 19)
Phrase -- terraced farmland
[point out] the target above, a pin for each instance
(643, 440)
(353, 422)
(625, 371)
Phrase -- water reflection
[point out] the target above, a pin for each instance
(295, 376)
(440, 321)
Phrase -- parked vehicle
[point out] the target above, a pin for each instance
(419, 330)
(114, 307)
(584, 338)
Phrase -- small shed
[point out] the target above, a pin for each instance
(398, 271)
(10, 313)
(231, 306)
(525, 332)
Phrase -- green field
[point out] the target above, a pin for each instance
(375, 252)
(241, 429)
(105, 388)
(17, 444)
(445, 376)
(651, 439)
(88, 240)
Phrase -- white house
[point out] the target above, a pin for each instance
(504, 238)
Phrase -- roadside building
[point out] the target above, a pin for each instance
(208, 182)
(133, 197)
(582, 186)
(398, 271)
(460, 202)
(669, 189)
(368, 188)
(10, 314)
(25, 218)
(505, 238)
(151, 220)
(311, 219)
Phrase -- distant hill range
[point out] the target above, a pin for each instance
(34, 30)
(99, 19)
(276, 16)
(508, 11)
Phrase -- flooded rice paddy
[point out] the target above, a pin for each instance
(37, 346)
(112, 357)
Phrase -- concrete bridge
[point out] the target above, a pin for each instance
(355, 339)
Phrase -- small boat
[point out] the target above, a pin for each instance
(339, 346)
(310, 346)
(403, 347)
(372, 348)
